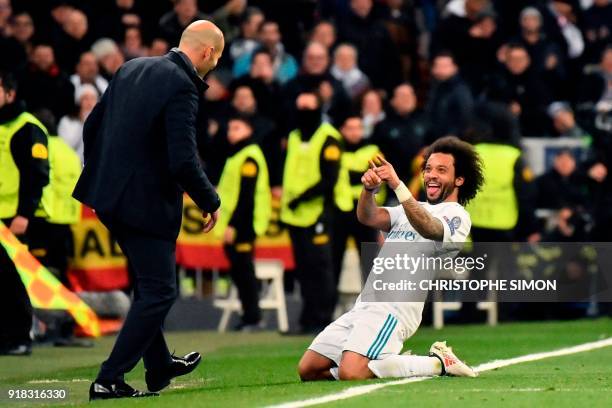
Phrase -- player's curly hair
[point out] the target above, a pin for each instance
(467, 164)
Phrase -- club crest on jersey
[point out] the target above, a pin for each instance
(453, 224)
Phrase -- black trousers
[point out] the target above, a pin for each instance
(15, 306)
(242, 271)
(346, 225)
(312, 252)
(152, 267)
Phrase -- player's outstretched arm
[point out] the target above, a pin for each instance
(423, 222)
(368, 212)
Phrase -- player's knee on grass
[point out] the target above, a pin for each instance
(313, 366)
(354, 366)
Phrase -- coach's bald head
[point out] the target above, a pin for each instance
(203, 43)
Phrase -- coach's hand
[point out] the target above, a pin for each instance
(211, 222)
(386, 172)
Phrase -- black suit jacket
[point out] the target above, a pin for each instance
(140, 147)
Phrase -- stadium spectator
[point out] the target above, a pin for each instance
(378, 57)
(45, 85)
(563, 186)
(450, 101)
(186, 12)
(23, 30)
(547, 58)
(470, 34)
(132, 46)
(315, 76)
(596, 88)
(529, 97)
(267, 89)
(113, 19)
(345, 70)
(247, 42)
(324, 32)
(70, 127)
(372, 111)
(74, 40)
(6, 10)
(597, 28)
(285, 66)
(564, 121)
(88, 72)
(109, 56)
(158, 47)
(13, 54)
(560, 18)
(401, 24)
(265, 131)
(401, 135)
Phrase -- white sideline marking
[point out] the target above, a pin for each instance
(52, 380)
(492, 365)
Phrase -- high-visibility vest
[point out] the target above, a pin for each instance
(9, 180)
(44, 290)
(65, 166)
(229, 189)
(302, 171)
(359, 162)
(495, 206)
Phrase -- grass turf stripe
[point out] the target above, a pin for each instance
(492, 365)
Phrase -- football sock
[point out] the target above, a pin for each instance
(400, 366)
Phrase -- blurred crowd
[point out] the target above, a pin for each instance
(394, 75)
(412, 70)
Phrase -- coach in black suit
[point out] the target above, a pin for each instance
(140, 155)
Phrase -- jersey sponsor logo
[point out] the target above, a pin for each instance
(454, 223)
(404, 234)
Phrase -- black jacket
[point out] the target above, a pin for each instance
(140, 147)
(449, 108)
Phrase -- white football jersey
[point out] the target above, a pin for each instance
(456, 222)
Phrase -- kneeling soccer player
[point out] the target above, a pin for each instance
(366, 341)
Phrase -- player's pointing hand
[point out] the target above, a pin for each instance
(387, 173)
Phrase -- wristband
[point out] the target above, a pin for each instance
(374, 190)
(402, 193)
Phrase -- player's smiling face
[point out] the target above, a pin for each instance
(439, 178)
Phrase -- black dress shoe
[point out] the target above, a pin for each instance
(158, 380)
(98, 391)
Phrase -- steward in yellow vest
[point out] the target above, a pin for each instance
(506, 190)
(314, 184)
(246, 207)
(24, 171)
(49, 233)
(24, 162)
(355, 159)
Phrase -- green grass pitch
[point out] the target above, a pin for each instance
(242, 370)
